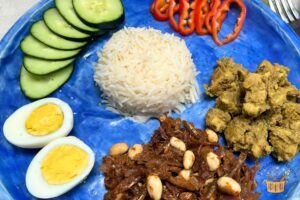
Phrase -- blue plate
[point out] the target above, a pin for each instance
(264, 36)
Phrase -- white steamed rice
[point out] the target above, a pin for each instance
(144, 73)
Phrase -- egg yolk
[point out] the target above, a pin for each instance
(63, 164)
(44, 120)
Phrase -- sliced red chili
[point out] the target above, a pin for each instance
(217, 21)
(152, 7)
(214, 5)
(159, 9)
(202, 8)
(186, 17)
(173, 10)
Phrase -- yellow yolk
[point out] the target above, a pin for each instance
(63, 164)
(44, 120)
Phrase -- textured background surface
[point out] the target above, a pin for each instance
(10, 11)
(264, 36)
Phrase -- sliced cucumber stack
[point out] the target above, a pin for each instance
(61, 27)
(42, 67)
(54, 42)
(105, 14)
(66, 9)
(40, 31)
(33, 47)
(36, 87)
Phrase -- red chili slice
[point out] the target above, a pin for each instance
(173, 10)
(186, 17)
(159, 9)
(218, 19)
(214, 5)
(152, 7)
(201, 10)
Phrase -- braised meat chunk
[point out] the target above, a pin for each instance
(217, 119)
(279, 89)
(284, 142)
(226, 75)
(248, 135)
(226, 85)
(255, 101)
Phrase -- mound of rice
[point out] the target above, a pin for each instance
(144, 73)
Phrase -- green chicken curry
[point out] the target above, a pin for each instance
(257, 112)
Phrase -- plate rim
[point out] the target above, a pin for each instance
(286, 32)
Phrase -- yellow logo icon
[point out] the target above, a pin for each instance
(273, 184)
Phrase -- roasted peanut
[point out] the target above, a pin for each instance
(212, 136)
(134, 151)
(188, 159)
(119, 196)
(154, 187)
(178, 144)
(186, 174)
(212, 161)
(118, 149)
(208, 181)
(187, 196)
(162, 118)
(229, 186)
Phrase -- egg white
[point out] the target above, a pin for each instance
(38, 186)
(15, 131)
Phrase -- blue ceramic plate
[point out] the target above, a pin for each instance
(264, 36)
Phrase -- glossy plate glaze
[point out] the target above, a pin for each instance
(264, 36)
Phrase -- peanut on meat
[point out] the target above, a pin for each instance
(212, 136)
(162, 118)
(178, 144)
(187, 196)
(229, 186)
(212, 161)
(118, 149)
(188, 159)
(119, 196)
(134, 151)
(208, 181)
(154, 187)
(186, 174)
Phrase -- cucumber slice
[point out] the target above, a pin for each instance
(33, 47)
(42, 67)
(99, 12)
(61, 27)
(66, 9)
(37, 87)
(40, 31)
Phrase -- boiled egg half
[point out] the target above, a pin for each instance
(58, 167)
(36, 124)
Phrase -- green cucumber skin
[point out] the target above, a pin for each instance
(52, 46)
(82, 47)
(40, 96)
(40, 57)
(96, 32)
(25, 54)
(45, 72)
(65, 37)
(106, 25)
(114, 24)
(93, 34)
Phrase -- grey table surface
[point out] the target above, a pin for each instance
(11, 10)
